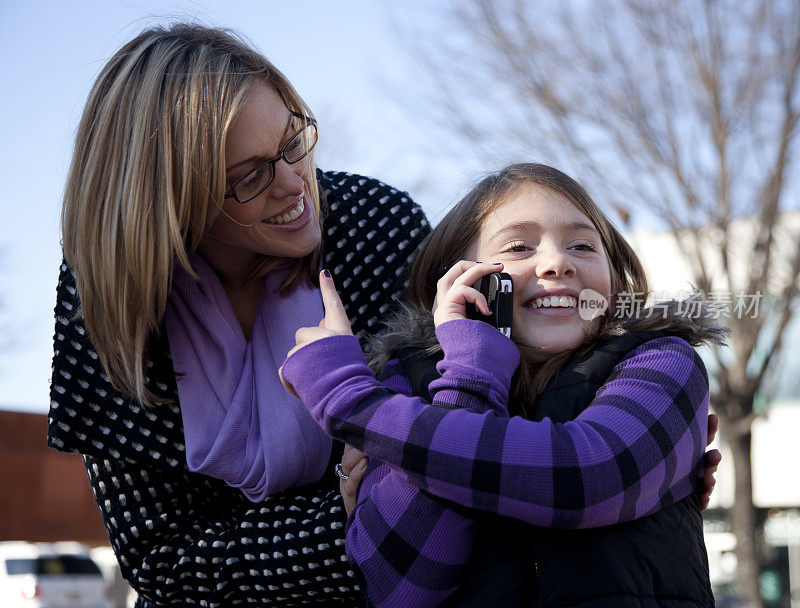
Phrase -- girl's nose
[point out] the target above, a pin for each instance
(288, 180)
(552, 262)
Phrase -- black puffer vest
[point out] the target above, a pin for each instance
(657, 561)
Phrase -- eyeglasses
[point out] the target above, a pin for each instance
(295, 150)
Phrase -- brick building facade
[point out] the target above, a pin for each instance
(45, 494)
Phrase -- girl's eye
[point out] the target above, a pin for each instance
(584, 247)
(516, 248)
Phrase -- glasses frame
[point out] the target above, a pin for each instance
(231, 193)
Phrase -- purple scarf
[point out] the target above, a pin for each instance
(240, 424)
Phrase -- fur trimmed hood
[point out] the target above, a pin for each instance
(690, 319)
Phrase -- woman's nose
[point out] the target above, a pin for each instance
(288, 180)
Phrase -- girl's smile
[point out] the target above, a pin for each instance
(553, 252)
(553, 301)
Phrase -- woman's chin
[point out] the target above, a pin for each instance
(259, 240)
(304, 244)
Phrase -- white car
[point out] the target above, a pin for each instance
(45, 575)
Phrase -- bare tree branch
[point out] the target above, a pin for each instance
(678, 111)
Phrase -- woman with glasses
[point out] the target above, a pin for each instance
(194, 227)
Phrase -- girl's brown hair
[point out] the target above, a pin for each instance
(450, 239)
(448, 243)
(147, 180)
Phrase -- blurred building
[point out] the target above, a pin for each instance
(775, 445)
(45, 494)
(776, 495)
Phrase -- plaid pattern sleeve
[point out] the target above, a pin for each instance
(476, 369)
(410, 546)
(636, 448)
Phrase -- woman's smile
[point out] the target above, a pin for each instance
(281, 221)
(293, 217)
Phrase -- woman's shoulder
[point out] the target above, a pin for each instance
(371, 232)
(346, 185)
(366, 217)
(88, 415)
(370, 200)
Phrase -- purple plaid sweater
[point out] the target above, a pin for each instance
(640, 442)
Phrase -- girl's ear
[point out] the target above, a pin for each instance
(612, 308)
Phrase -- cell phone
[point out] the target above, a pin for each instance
(498, 289)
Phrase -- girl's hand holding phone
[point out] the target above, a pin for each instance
(334, 323)
(455, 289)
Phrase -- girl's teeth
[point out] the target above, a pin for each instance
(288, 217)
(555, 301)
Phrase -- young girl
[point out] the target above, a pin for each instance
(612, 426)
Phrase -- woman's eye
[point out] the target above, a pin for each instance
(247, 181)
(584, 247)
(296, 142)
(252, 177)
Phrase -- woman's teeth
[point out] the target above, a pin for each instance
(292, 214)
(555, 302)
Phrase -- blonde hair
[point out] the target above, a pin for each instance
(147, 180)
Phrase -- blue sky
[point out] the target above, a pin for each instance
(348, 59)
(339, 55)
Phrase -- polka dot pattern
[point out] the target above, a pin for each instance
(188, 539)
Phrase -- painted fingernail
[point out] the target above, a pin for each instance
(326, 273)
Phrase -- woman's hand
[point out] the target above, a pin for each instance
(334, 323)
(711, 461)
(354, 465)
(454, 290)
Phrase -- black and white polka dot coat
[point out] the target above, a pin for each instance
(184, 539)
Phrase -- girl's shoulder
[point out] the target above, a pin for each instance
(666, 346)
(665, 357)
